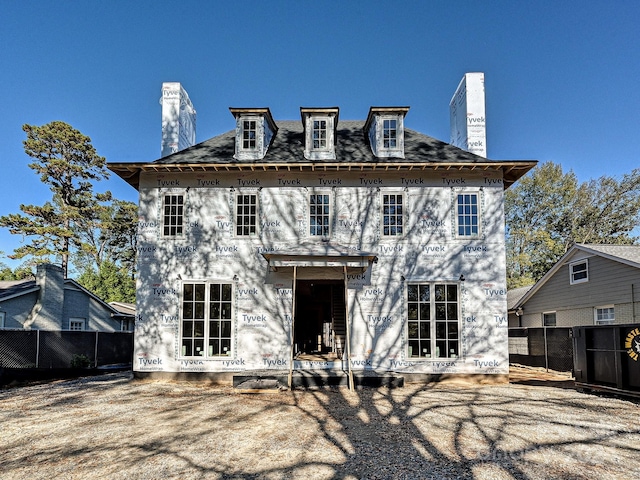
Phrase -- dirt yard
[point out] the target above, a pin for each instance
(111, 427)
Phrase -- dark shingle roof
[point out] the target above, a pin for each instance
(15, 288)
(352, 149)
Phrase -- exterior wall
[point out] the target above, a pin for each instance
(77, 304)
(610, 283)
(429, 251)
(18, 310)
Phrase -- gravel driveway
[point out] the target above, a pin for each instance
(114, 428)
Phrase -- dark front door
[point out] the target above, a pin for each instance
(319, 326)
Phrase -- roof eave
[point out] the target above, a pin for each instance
(511, 170)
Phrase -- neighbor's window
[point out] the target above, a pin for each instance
(249, 135)
(206, 319)
(319, 134)
(246, 215)
(579, 272)
(77, 324)
(389, 134)
(549, 319)
(392, 215)
(433, 320)
(604, 315)
(468, 215)
(173, 215)
(319, 215)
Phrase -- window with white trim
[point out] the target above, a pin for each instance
(433, 320)
(246, 215)
(173, 215)
(604, 315)
(319, 214)
(389, 134)
(468, 214)
(319, 134)
(392, 215)
(549, 319)
(579, 272)
(249, 135)
(206, 319)
(77, 324)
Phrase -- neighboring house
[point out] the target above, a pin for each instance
(127, 313)
(53, 303)
(589, 285)
(321, 244)
(513, 299)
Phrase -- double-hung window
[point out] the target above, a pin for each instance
(206, 319)
(389, 134)
(319, 215)
(433, 320)
(468, 215)
(249, 135)
(319, 134)
(392, 215)
(604, 315)
(246, 215)
(579, 272)
(173, 215)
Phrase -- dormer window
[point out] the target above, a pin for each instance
(255, 131)
(319, 134)
(249, 134)
(384, 129)
(320, 125)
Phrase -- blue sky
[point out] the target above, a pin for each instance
(560, 76)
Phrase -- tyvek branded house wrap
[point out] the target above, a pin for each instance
(305, 260)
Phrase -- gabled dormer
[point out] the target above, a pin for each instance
(320, 126)
(384, 129)
(255, 131)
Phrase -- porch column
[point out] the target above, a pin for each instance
(348, 339)
(293, 320)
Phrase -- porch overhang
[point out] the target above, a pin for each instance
(329, 256)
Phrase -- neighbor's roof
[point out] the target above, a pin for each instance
(421, 152)
(514, 295)
(15, 288)
(625, 254)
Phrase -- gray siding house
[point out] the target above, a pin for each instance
(589, 285)
(53, 303)
(321, 244)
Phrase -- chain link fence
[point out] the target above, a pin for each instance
(64, 349)
(548, 347)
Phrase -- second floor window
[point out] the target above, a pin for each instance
(392, 215)
(579, 272)
(173, 215)
(468, 215)
(246, 215)
(319, 215)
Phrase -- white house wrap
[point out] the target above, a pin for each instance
(264, 259)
